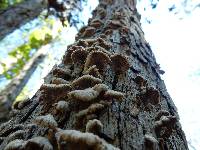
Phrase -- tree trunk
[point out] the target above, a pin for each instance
(107, 93)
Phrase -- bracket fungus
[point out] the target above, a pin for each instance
(102, 13)
(38, 143)
(111, 94)
(92, 109)
(15, 145)
(119, 63)
(99, 47)
(86, 95)
(62, 73)
(54, 92)
(105, 44)
(74, 139)
(96, 23)
(108, 32)
(113, 24)
(162, 113)
(82, 42)
(55, 80)
(79, 56)
(140, 81)
(67, 57)
(85, 81)
(19, 134)
(89, 31)
(94, 126)
(98, 58)
(100, 88)
(153, 95)
(164, 126)
(46, 121)
(149, 96)
(62, 106)
(93, 71)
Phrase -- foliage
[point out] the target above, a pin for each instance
(6, 3)
(22, 54)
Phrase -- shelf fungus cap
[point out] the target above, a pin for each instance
(67, 57)
(166, 121)
(79, 56)
(111, 94)
(61, 72)
(85, 95)
(62, 106)
(54, 92)
(94, 126)
(91, 110)
(89, 31)
(96, 23)
(94, 71)
(85, 81)
(56, 80)
(153, 95)
(79, 140)
(82, 42)
(19, 134)
(100, 88)
(39, 143)
(103, 43)
(98, 58)
(46, 121)
(119, 63)
(15, 145)
(140, 81)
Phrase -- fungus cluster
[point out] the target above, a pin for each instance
(54, 92)
(89, 31)
(97, 23)
(34, 143)
(46, 121)
(149, 95)
(61, 73)
(96, 54)
(98, 58)
(164, 124)
(77, 86)
(94, 126)
(62, 107)
(55, 80)
(74, 139)
(120, 63)
(100, 91)
(85, 81)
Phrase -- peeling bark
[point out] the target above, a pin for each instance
(145, 118)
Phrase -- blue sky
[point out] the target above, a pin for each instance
(174, 39)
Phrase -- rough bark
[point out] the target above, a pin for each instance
(14, 88)
(144, 117)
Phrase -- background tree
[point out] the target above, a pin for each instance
(28, 60)
(107, 86)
